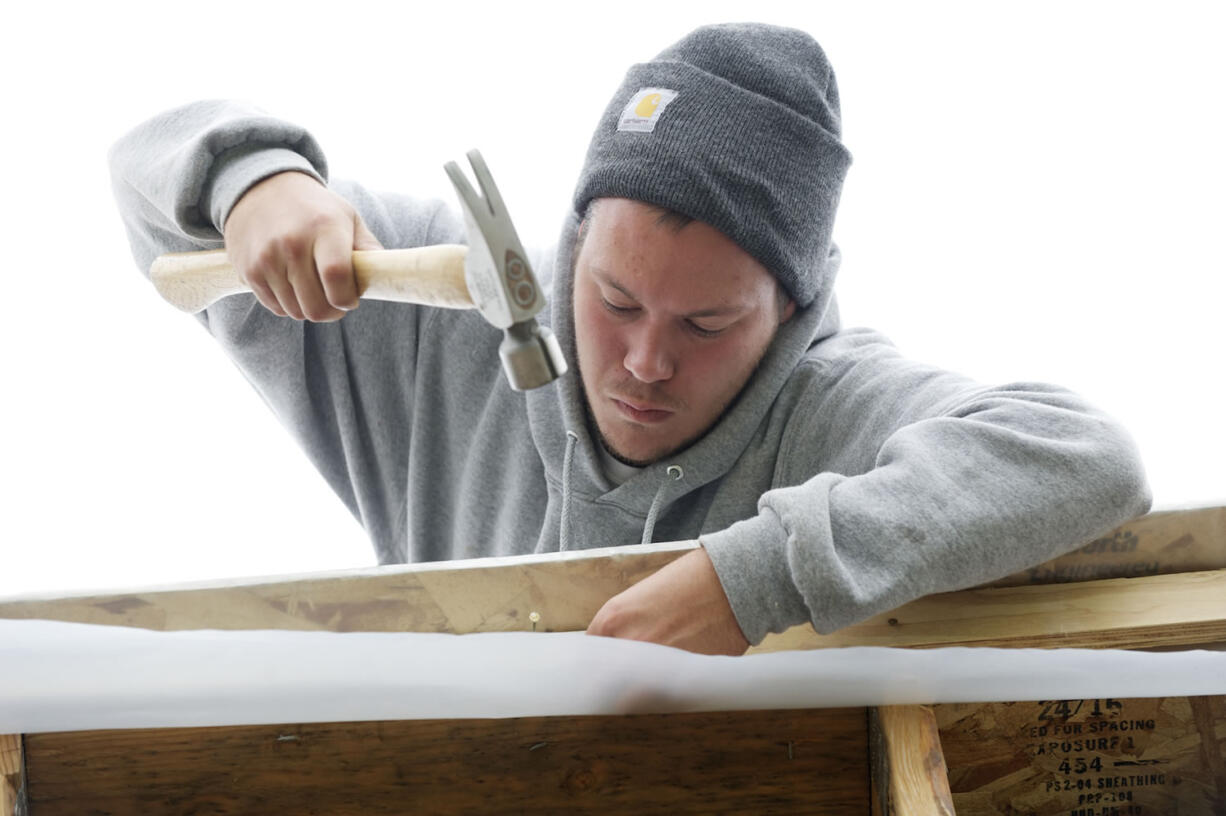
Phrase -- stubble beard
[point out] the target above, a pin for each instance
(594, 425)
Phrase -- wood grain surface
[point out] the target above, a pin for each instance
(1160, 543)
(792, 762)
(480, 595)
(11, 770)
(1119, 613)
(909, 775)
(564, 590)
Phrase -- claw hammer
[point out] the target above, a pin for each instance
(491, 274)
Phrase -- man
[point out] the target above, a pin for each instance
(712, 395)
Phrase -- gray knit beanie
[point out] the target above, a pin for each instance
(738, 127)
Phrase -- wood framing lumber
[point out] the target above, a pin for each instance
(12, 769)
(1159, 543)
(1120, 613)
(908, 768)
(786, 762)
(554, 592)
(562, 591)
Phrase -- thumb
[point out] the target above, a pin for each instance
(363, 238)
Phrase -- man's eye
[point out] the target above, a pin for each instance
(705, 332)
(615, 309)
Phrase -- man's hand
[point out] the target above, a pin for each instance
(681, 605)
(291, 240)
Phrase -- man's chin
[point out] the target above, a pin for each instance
(631, 444)
(641, 455)
(625, 458)
(635, 455)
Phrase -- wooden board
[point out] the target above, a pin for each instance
(561, 592)
(1143, 757)
(11, 770)
(1121, 613)
(908, 768)
(791, 762)
(564, 590)
(1155, 544)
(1109, 613)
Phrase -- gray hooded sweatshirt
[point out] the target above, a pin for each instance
(845, 480)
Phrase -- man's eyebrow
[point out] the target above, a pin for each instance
(715, 311)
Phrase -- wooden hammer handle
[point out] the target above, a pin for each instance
(432, 275)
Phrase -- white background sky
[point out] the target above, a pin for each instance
(1037, 193)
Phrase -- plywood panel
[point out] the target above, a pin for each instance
(1141, 757)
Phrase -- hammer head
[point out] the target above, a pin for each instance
(501, 282)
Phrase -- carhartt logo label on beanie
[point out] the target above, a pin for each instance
(645, 109)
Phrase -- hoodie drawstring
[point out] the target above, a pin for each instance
(649, 526)
(567, 462)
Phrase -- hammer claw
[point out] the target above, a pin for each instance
(468, 196)
(501, 282)
(485, 180)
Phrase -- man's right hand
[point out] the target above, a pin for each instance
(291, 240)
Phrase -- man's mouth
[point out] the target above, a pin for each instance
(641, 412)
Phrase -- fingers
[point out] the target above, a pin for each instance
(291, 240)
(265, 275)
(304, 274)
(362, 237)
(264, 294)
(286, 280)
(334, 262)
(284, 303)
(281, 277)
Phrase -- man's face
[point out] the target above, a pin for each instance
(669, 326)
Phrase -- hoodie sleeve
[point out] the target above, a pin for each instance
(175, 179)
(929, 483)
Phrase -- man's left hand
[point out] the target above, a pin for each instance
(681, 605)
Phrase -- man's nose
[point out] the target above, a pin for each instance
(648, 356)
